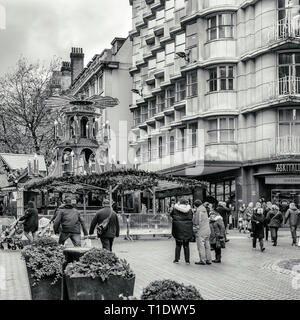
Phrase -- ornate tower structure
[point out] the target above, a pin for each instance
(82, 137)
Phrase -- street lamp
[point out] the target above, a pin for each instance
(139, 92)
(183, 55)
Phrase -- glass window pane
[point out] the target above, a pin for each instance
(223, 84)
(284, 130)
(212, 124)
(223, 72)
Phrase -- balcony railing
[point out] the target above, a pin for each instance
(285, 28)
(287, 145)
(286, 86)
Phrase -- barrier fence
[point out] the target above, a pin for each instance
(135, 224)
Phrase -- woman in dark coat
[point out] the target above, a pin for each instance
(217, 234)
(258, 228)
(30, 221)
(275, 219)
(182, 229)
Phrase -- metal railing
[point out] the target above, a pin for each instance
(286, 86)
(287, 145)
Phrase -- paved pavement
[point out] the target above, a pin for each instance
(244, 273)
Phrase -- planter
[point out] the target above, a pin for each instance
(43, 290)
(95, 289)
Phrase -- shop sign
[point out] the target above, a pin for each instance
(288, 167)
(283, 180)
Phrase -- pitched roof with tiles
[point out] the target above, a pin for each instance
(20, 161)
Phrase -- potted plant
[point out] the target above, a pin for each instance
(99, 275)
(170, 290)
(44, 259)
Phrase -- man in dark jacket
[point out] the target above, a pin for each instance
(30, 221)
(111, 231)
(70, 220)
(258, 220)
(293, 216)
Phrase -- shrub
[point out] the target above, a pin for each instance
(44, 257)
(170, 290)
(99, 263)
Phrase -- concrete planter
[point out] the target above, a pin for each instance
(95, 289)
(44, 290)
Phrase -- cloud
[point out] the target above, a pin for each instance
(40, 30)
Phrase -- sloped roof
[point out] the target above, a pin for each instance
(20, 161)
(3, 181)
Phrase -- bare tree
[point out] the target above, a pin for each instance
(26, 123)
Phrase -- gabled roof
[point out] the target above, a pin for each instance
(20, 161)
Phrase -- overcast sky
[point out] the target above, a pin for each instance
(41, 29)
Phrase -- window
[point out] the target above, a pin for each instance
(160, 102)
(180, 42)
(137, 116)
(180, 90)
(289, 73)
(193, 135)
(172, 145)
(181, 139)
(144, 113)
(149, 149)
(288, 9)
(191, 35)
(221, 130)
(220, 26)
(160, 147)
(170, 99)
(152, 108)
(192, 84)
(289, 122)
(220, 78)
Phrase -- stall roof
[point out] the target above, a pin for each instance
(20, 161)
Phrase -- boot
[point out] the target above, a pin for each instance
(261, 243)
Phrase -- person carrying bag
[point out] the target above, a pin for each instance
(107, 223)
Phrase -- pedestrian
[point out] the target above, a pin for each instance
(241, 218)
(107, 218)
(224, 213)
(267, 209)
(70, 221)
(182, 229)
(206, 206)
(293, 216)
(217, 234)
(30, 222)
(284, 206)
(202, 232)
(275, 220)
(172, 204)
(258, 227)
(248, 215)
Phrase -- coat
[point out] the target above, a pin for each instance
(70, 220)
(293, 216)
(113, 227)
(274, 219)
(217, 229)
(224, 213)
(182, 222)
(31, 220)
(201, 222)
(258, 225)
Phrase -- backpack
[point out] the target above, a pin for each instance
(102, 227)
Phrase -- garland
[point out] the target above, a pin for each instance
(126, 180)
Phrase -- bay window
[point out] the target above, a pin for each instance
(144, 113)
(220, 26)
(289, 73)
(289, 122)
(137, 117)
(170, 96)
(160, 102)
(152, 108)
(221, 129)
(220, 78)
(180, 90)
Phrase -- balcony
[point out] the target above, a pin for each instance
(285, 146)
(285, 29)
(287, 86)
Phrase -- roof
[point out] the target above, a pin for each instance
(20, 161)
(3, 181)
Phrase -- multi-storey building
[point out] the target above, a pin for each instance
(108, 74)
(226, 72)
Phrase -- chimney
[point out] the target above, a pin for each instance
(65, 66)
(77, 63)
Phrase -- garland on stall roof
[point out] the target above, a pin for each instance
(127, 180)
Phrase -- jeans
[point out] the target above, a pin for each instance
(218, 252)
(203, 246)
(274, 234)
(75, 238)
(186, 249)
(107, 243)
(267, 232)
(294, 233)
(261, 242)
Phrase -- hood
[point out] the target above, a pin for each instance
(293, 209)
(184, 208)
